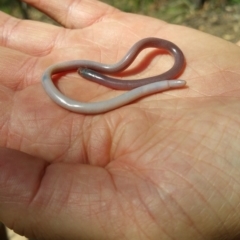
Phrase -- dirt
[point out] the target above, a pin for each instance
(223, 22)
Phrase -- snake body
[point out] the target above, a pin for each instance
(94, 71)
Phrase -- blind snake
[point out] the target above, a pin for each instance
(138, 88)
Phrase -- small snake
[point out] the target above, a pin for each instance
(138, 88)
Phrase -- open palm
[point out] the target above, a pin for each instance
(165, 167)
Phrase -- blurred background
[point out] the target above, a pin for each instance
(217, 17)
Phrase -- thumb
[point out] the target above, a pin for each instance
(20, 176)
(73, 13)
(52, 201)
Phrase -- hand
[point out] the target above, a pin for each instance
(165, 167)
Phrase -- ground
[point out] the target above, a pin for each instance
(223, 22)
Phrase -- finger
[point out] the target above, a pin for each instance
(19, 180)
(33, 38)
(74, 14)
(41, 200)
(18, 70)
(40, 39)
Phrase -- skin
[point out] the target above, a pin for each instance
(166, 167)
(139, 88)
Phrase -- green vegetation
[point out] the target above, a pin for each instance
(169, 10)
(8, 5)
(151, 5)
(234, 1)
(146, 6)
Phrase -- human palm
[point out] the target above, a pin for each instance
(164, 167)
